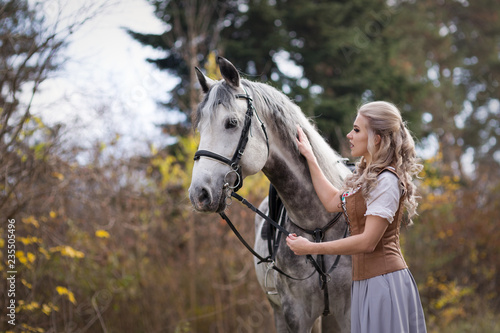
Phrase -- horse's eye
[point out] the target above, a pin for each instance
(231, 123)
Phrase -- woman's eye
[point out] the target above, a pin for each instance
(231, 123)
(356, 130)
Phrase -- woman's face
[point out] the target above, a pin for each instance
(358, 138)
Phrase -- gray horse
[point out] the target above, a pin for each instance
(298, 303)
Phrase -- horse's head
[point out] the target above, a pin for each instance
(233, 144)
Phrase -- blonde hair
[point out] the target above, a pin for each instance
(396, 149)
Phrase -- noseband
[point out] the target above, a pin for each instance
(234, 162)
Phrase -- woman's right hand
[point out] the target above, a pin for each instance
(327, 193)
(304, 145)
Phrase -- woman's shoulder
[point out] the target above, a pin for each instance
(388, 172)
(389, 178)
(388, 169)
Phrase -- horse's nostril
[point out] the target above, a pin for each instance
(204, 197)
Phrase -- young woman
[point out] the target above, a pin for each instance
(384, 294)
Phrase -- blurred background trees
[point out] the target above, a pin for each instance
(112, 243)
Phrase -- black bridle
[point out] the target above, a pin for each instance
(233, 163)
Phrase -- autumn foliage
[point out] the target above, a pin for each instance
(111, 243)
(107, 247)
(452, 250)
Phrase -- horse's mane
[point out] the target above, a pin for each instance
(279, 112)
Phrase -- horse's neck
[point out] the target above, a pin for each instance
(290, 176)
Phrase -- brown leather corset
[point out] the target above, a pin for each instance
(387, 256)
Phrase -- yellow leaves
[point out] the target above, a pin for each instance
(27, 328)
(22, 305)
(67, 251)
(31, 220)
(44, 308)
(34, 222)
(176, 170)
(48, 308)
(26, 283)
(40, 150)
(102, 234)
(25, 259)
(448, 302)
(257, 185)
(211, 67)
(438, 186)
(451, 294)
(170, 169)
(38, 121)
(29, 240)
(58, 175)
(64, 291)
(45, 253)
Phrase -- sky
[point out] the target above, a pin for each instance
(106, 89)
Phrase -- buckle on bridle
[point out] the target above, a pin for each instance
(318, 235)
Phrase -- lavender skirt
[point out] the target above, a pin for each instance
(387, 303)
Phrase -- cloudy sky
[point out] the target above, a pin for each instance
(106, 87)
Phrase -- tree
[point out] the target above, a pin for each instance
(193, 31)
(345, 50)
(256, 34)
(455, 52)
(30, 49)
(333, 42)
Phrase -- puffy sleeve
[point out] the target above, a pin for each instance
(384, 198)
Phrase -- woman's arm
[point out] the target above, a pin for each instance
(327, 193)
(365, 242)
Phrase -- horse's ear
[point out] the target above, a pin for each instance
(205, 82)
(229, 72)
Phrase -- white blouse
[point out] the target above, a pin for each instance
(384, 198)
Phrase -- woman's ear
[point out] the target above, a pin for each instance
(377, 139)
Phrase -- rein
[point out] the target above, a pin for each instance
(233, 163)
(318, 263)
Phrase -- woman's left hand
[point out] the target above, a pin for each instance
(299, 245)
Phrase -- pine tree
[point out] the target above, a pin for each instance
(193, 31)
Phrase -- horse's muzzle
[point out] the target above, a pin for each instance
(206, 200)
